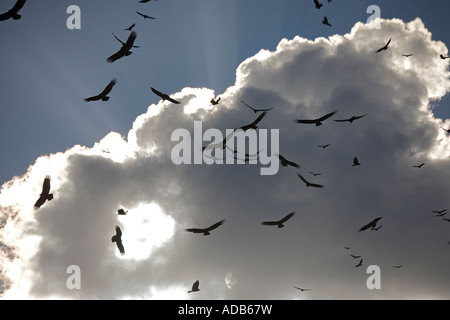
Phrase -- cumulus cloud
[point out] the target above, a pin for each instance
(301, 79)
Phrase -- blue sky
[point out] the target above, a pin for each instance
(102, 156)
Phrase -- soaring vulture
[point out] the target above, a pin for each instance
(104, 94)
(117, 238)
(45, 194)
(279, 223)
(206, 231)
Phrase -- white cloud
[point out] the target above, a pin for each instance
(300, 79)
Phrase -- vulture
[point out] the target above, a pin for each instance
(45, 194)
(372, 224)
(284, 162)
(302, 289)
(117, 238)
(279, 223)
(385, 46)
(121, 212)
(309, 184)
(318, 4)
(125, 49)
(195, 287)
(351, 119)
(144, 15)
(318, 121)
(359, 264)
(215, 102)
(325, 21)
(164, 96)
(104, 94)
(206, 231)
(356, 162)
(13, 12)
(255, 110)
(420, 165)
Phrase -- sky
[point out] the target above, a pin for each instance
(102, 156)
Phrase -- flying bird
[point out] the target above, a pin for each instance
(448, 220)
(318, 4)
(348, 248)
(13, 12)
(440, 211)
(446, 130)
(351, 119)
(359, 264)
(253, 125)
(206, 231)
(215, 102)
(443, 58)
(315, 174)
(284, 162)
(164, 96)
(385, 47)
(144, 15)
(397, 267)
(103, 96)
(124, 51)
(318, 121)
(45, 194)
(117, 238)
(441, 214)
(325, 21)
(130, 27)
(121, 212)
(407, 55)
(195, 287)
(356, 162)
(302, 289)
(355, 257)
(419, 166)
(144, 1)
(309, 184)
(256, 110)
(372, 224)
(279, 223)
(323, 146)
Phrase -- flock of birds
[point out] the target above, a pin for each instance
(125, 51)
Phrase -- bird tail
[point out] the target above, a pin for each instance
(113, 239)
(105, 98)
(17, 16)
(206, 233)
(50, 196)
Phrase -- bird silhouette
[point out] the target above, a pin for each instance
(419, 166)
(164, 96)
(253, 125)
(13, 13)
(317, 4)
(441, 214)
(284, 162)
(444, 57)
(215, 102)
(130, 27)
(117, 238)
(121, 212)
(440, 211)
(318, 121)
(355, 257)
(103, 96)
(323, 146)
(371, 224)
(206, 231)
(446, 130)
(351, 119)
(356, 162)
(315, 174)
(256, 110)
(144, 1)
(407, 55)
(144, 15)
(359, 264)
(195, 287)
(325, 21)
(309, 184)
(302, 289)
(385, 46)
(45, 194)
(124, 51)
(397, 267)
(347, 248)
(448, 220)
(279, 223)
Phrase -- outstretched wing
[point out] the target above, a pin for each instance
(40, 202)
(270, 223)
(326, 116)
(116, 56)
(172, 100)
(301, 178)
(123, 43)
(120, 247)
(13, 11)
(108, 88)
(196, 230)
(305, 121)
(215, 225)
(130, 41)
(258, 120)
(290, 215)
(118, 232)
